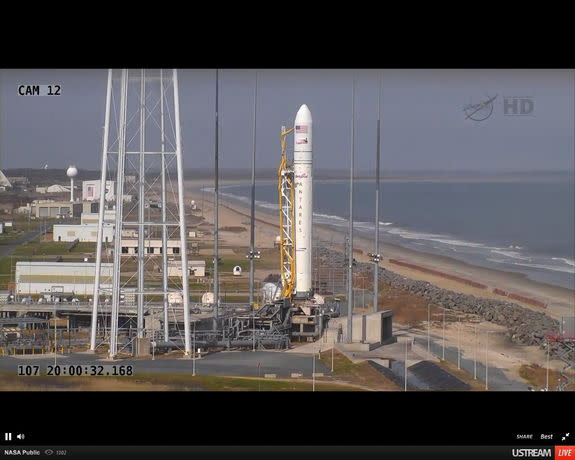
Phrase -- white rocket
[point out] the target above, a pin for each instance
(303, 181)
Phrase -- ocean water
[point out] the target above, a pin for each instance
(525, 227)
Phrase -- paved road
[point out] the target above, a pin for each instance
(240, 363)
(497, 379)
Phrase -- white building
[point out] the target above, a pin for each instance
(130, 246)
(53, 209)
(4, 182)
(60, 277)
(57, 188)
(91, 190)
(83, 232)
(57, 209)
(195, 268)
(92, 217)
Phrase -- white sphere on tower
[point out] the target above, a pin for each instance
(72, 171)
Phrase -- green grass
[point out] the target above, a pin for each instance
(227, 264)
(357, 373)
(5, 272)
(147, 382)
(37, 247)
(5, 266)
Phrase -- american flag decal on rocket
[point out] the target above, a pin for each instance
(301, 129)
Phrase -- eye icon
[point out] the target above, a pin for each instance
(48, 451)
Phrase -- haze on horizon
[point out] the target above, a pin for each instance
(423, 123)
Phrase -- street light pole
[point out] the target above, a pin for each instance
(313, 373)
(443, 350)
(253, 328)
(405, 366)
(547, 373)
(487, 361)
(332, 348)
(194, 354)
(475, 356)
(55, 336)
(459, 342)
(428, 329)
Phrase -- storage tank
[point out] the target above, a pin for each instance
(208, 298)
(270, 292)
(318, 299)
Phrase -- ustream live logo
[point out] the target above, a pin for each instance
(532, 453)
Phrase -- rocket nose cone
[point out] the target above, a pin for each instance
(303, 114)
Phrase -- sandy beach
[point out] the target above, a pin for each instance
(507, 359)
(560, 301)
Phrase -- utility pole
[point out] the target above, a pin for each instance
(376, 256)
(253, 254)
(141, 206)
(253, 196)
(216, 209)
(350, 299)
(164, 215)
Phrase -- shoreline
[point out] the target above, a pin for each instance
(560, 300)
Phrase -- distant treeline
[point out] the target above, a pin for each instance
(52, 176)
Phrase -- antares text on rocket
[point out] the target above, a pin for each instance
(303, 135)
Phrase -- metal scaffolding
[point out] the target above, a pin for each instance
(146, 159)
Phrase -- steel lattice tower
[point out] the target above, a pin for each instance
(142, 152)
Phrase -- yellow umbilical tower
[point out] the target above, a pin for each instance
(287, 229)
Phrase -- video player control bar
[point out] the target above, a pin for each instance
(291, 452)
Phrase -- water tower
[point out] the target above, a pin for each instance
(72, 172)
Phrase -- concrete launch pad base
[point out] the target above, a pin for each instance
(357, 346)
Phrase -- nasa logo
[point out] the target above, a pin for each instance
(301, 176)
(12, 452)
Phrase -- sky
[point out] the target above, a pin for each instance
(424, 126)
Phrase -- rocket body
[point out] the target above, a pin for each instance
(303, 183)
